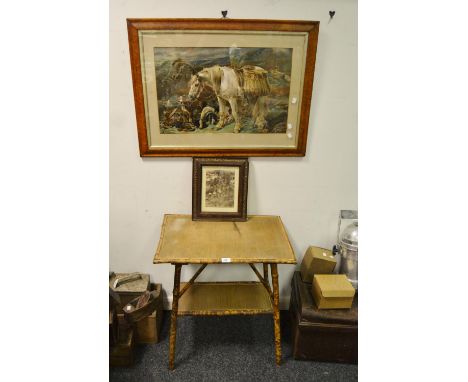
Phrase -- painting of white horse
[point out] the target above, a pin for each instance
(232, 87)
(223, 90)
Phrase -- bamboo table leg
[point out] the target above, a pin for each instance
(265, 272)
(175, 307)
(276, 314)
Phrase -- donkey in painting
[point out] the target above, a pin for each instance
(232, 86)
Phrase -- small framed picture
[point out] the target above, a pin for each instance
(219, 189)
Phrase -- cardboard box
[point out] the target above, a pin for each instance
(317, 261)
(332, 292)
(148, 330)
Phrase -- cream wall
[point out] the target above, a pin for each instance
(306, 192)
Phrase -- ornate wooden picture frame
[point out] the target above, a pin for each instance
(219, 189)
(226, 87)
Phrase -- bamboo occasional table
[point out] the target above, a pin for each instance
(261, 239)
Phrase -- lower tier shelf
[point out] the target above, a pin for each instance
(225, 298)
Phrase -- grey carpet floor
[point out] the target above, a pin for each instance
(229, 348)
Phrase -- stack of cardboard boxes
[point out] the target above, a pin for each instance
(146, 330)
(323, 310)
(330, 291)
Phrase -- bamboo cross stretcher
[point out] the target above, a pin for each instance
(261, 239)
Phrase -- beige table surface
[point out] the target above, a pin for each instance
(261, 239)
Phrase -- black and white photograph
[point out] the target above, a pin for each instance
(220, 189)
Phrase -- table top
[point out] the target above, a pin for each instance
(260, 239)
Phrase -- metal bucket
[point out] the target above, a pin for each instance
(349, 253)
(347, 247)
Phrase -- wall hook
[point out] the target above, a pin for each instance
(331, 13)
(224, 13)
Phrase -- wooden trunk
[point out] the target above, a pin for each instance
(121, 354)
(113, 327)
(321, 335)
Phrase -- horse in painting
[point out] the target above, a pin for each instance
(232, 86)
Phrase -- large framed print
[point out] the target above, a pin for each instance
(227, 87)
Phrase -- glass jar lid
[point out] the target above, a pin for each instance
(349, 236)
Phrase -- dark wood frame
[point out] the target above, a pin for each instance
(135, 25)
(198, 164)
